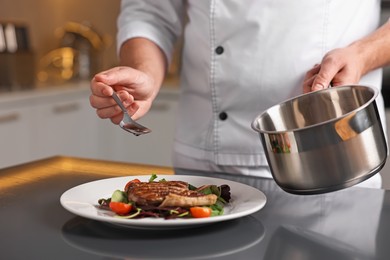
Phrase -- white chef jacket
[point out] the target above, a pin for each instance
(241, 57)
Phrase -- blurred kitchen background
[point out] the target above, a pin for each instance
(51, 42)
(58, 40)
(49, 49)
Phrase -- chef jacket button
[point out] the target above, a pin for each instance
(219, 50)
(223, 116)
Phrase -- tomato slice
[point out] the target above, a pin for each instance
(132, 181)
(120, 208)
(200, 212)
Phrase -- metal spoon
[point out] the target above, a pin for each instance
(127, 122)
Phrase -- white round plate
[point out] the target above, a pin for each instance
(82, 200)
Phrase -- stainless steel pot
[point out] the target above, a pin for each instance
(324, 140)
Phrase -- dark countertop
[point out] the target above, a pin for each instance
(350, 224)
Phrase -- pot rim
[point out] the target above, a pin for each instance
(255, 125)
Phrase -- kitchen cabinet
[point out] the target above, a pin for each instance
(65, 126)
(14, 136)
(36, 124)
(40, 123)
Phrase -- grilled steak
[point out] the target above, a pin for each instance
(167, 193)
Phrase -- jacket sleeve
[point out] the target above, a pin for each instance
(160, 21)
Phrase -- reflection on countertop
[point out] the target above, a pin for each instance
(102, 239)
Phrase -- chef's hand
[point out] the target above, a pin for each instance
(338, 67)
(134, 88)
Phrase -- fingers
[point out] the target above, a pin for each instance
(104, 83)
(329, 68)
(309, 78)
(338, 67)
(134, 88)
(131, 110)
(121, 76)
(101, 99)
(100, 102)
(114, 113)
(109, 112)
(106, 107)
(101, 89)
(322, 75)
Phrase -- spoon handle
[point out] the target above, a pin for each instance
(119, 102)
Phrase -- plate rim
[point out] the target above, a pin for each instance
(160, 222)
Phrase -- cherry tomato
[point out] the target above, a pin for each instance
(120, 207)
(130, 182)
(200, 212)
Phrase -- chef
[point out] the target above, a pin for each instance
(238, 59)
